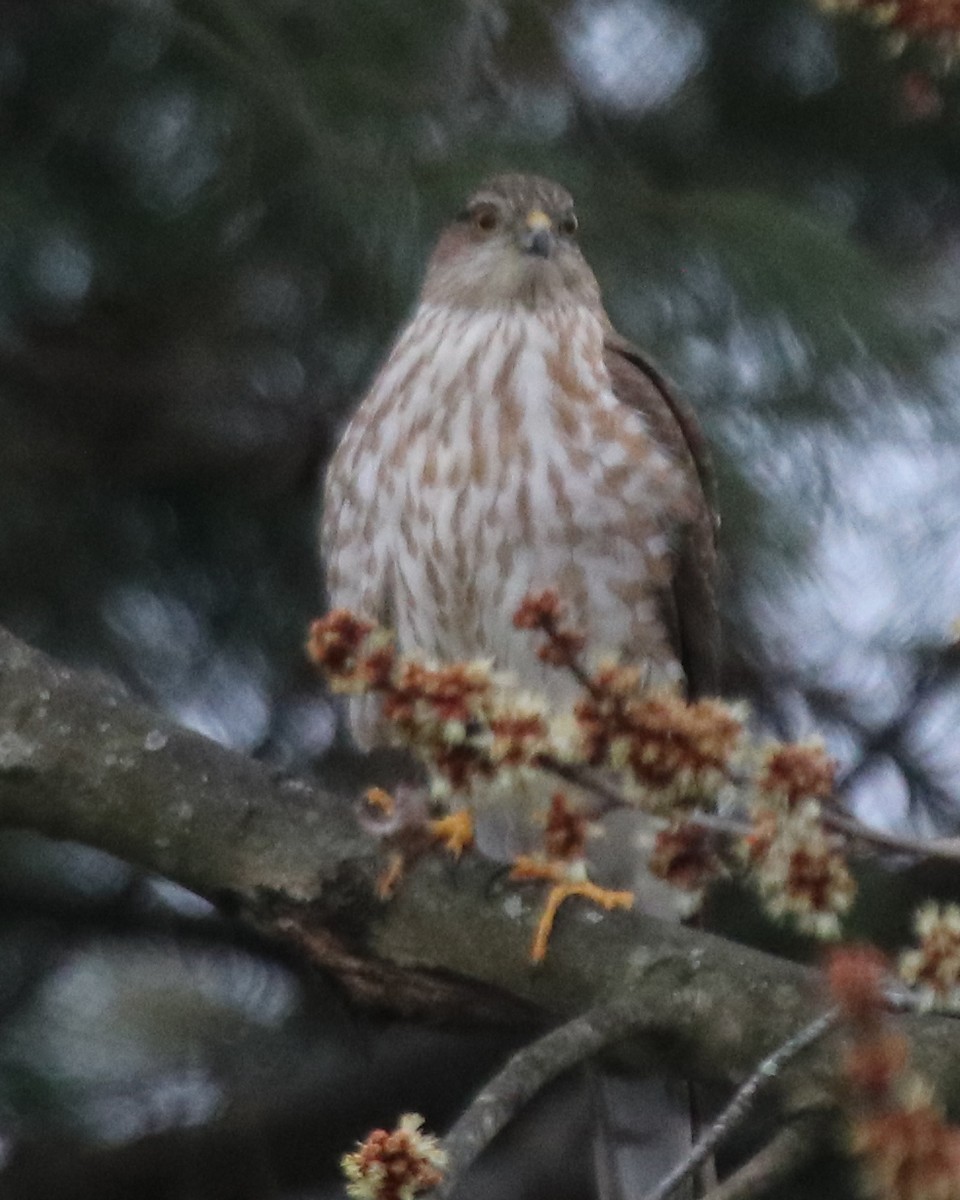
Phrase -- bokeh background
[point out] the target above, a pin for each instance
(213, 214)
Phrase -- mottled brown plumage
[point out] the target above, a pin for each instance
(514, 440)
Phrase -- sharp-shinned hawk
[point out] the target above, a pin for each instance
(513, 441)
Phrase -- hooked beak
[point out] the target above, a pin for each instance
(537, 238)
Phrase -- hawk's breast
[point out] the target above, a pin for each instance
(491, 457)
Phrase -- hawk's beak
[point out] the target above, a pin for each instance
(538, 236)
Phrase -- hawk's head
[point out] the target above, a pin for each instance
(515, 242)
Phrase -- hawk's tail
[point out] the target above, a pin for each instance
(643, 1127)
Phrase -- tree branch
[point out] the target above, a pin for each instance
(80, 760)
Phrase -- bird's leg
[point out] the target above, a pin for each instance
(402, 821)
(563, 866)
(567, 879)
(389, 878)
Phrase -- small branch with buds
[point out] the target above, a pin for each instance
(651, 750)
(724, 802)
(395, 1164)
(905, 1147)
(83, 761)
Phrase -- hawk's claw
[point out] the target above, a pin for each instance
(566, 882)
(454, 832)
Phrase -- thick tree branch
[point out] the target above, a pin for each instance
(80, 760)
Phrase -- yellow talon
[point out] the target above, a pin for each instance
(454, 831)
(390, 876)
(564, 886)
(380, 801)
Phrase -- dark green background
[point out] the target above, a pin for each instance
(213, 214)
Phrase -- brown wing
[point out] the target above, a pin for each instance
(690, 604)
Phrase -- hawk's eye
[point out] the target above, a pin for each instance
(486, 218)
(569, 224)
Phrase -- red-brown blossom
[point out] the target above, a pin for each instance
(519, 733)
(563, 648)
(791, 773)
(909, 1153)
(906, 1150)
(395, 1164)
(459, 764)
(817, 882)
(374, 669)
(757, 842)
(685, 855)
(336, 640)
(539, 610)
(671, 756)
(544, 611)
(602, 713)
(677, 752)
(612, 683)
(565, 835)
(873, 1065)
(445, 694)
(855, 978)
(934, 967)
(799, 869)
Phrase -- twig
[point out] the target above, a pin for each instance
(944, 848)
(901, 1000)
(791, 1146)
(527, 1072)
(735, 1111)
(587, 779)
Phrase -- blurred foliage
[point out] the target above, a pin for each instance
(213, 214)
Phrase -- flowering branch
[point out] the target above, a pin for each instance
(905, 1147)
(80, 760)
(721, 799)
(396, 1164)
(681, 763)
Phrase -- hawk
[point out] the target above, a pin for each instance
(513, 440)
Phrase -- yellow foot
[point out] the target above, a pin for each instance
(379, 802)
(565, 884)
(454, 831)
(391, 875)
